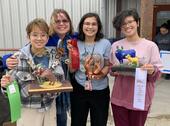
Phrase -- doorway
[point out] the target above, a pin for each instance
(161, 14)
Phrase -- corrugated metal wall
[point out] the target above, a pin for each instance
(130, 4)
(162, 1)
(111, 7)
(15, 14)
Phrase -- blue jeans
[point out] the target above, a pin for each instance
(62, 105)
(62, 119)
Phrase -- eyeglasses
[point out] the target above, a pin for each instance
(127, 23)
(37, 35)
(88, 24)
(64, 21)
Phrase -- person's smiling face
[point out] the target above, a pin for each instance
(129, 27)
(38, 38)
(90, 27)
(61, 24)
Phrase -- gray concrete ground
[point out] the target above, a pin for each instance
(160, 110)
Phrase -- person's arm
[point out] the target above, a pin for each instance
(5, 80)
(155, 64)
(105, 70)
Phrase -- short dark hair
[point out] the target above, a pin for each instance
(120, 17)
(164, 25)
(99, 33)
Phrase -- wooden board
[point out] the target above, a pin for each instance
(34, 88)
(123, 68)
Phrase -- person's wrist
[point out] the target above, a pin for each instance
(153, 71)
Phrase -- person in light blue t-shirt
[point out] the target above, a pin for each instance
(90, 83)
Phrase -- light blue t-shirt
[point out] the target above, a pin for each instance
(99, 49)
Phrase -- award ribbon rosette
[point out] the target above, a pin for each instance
(74, 53)
(92, 67)
(14, 101)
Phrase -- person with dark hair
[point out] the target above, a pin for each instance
(124, 113)
(168, 23)
(162, 39)
(90, 84)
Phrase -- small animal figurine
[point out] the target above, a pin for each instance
(133, 60)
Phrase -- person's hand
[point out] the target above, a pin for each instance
(60, 52)
(87, 64)
(114, 73)
(47, 73)
(12, 62)
(98, 76)
(5, 80)
(149, 67)
(69, 45)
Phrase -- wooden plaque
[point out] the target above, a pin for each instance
(34, 88)
(124, 70)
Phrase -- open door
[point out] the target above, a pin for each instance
(161, 14)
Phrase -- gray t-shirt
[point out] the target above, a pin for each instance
(99, 49)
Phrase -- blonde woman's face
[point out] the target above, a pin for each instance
(61, 24)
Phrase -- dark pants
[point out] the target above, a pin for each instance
(62, 119)
(125, 117)
(97, 102)
(4, 110)
(167, 76)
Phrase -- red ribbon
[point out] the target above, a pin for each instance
(75, 57)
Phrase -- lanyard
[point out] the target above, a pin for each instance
(86, 52)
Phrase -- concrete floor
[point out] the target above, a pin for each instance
(160, 110)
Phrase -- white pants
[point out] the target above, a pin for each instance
(31, 117)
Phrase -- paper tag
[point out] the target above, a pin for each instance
(88, 85)
(140, 89)
(12, 89)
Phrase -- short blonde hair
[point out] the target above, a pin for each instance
(38, 22)
(52, 20)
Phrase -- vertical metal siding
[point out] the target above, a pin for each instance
(129, 4)
(162, 1)
(110, 13)
(15, 15)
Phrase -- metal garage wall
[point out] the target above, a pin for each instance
(129, 4)
(162, 1)
(110, 13)
(15, 14)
